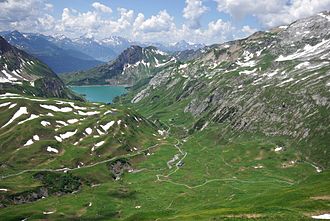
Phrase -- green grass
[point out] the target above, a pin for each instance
(240, 191)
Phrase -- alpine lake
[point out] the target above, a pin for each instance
(99, 93)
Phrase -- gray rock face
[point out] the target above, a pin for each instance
(30, 197)
(142, 94)
(316, 27)
(118, 167)
(275, 82)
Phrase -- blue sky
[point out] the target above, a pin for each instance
(147, 7)
(167, 21)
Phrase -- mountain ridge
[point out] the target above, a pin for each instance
(22, 73)
(59, 59)
(132, 65)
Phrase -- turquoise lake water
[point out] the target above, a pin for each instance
(103, 94)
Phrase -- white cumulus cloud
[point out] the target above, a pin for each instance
(273, 12)
(102, 8)
(156, 23)
(193, 11)
(25, 15)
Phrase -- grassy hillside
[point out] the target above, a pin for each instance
(141, 172)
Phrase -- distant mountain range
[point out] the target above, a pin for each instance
(57, 58)
(63, 54)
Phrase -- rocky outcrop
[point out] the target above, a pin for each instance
(118, 167)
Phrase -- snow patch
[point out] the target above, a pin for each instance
(90, 113)
(89, 131)
(72, 105)
(98, 145)
(12, 106)
(246, 64)
(5, 104)
(248, 72)
(307, 51)
(62, 122)
(32, 117)
(45, 123)
(302, 65)
(277, 149)
(72, 121)
(58, 139)
(324, 16)
(284, 82)
(28, 143)
(323, 216)
(48, 213)
(247, 56)
(52, 150)
(272, 74)
(68, 134)
(317, 168)
(9, 76)
(107, 126)
(183, 66)
(162, 132)
(108, 112)
(20, 112)
(56, 109)
(100, 132)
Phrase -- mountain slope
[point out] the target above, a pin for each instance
(132, 65)
(59, 59)
(64, 160)
(275, 83)
(22, 73)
